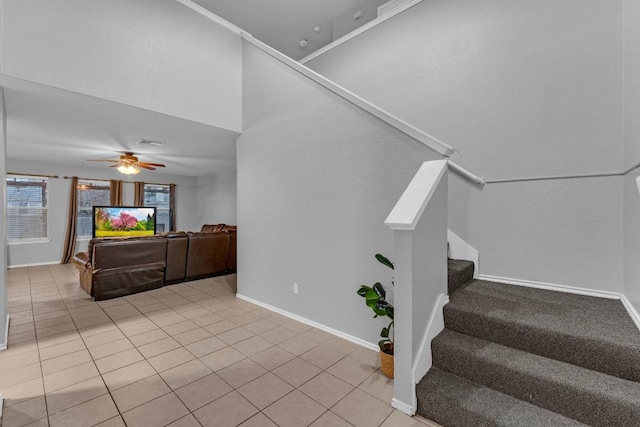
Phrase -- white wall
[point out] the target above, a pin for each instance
(218, 198)
(58, 194)
(632, 150)
(316, 179)
(145, 53)
(523, 89)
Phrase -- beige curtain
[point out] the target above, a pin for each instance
(138, 193)
(72, 231)
(172, 207)
(115, 192)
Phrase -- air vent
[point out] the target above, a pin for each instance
(150, 142)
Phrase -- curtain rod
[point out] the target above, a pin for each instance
(33, 174)
(125, 182)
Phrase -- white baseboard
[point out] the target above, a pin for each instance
(36, 264)
(459, 249)
(436, 325)
(402, 407)
(635, 316)
(1, 404)
(5, 342)
(355, 340)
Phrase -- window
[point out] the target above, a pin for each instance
(90, 194)
(26, 208)
(159, 196)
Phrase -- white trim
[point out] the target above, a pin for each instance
(366, 27)
(551, 287)
(415, 198)
(459, 249)
(635, 316)
(424, 358)
(389, 6)
(410, 130)
(402, 407)
(29, 241)
(212, 16)
(355, 340)
(35, 264)
(1, 403)
(5, 343)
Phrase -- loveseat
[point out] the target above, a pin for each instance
(114, 267)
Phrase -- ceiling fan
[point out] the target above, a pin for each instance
(129, 164)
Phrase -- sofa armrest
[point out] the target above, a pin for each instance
(81, 260)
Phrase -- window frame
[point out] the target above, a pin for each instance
(167, 191)
(99, 184)
(45, 208)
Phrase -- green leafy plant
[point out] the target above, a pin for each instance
(376, 298)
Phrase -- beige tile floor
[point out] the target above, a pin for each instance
(185, 355)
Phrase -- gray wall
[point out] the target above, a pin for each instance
(4, 308)
(218, 198)
(316, 179)
(523, 89)
(58, 193)
(145, 53)
(632, 150)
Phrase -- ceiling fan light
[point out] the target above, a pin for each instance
(128, 169)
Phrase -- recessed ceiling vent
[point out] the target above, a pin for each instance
(150, 142)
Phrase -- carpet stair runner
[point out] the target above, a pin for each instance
(518, 356)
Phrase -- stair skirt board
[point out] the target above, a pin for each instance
(459, 249)
(435, 326)
(635, 316)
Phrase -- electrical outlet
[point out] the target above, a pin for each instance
(295, 288)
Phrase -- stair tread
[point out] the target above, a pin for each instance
(454, 401)
(459, 272)
(590, 396)
(575, 328)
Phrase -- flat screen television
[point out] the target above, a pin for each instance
(123, 221)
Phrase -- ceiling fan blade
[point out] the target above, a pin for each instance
(160, 165)
(144, 166)
(95, 160)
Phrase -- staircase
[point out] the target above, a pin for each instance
(517, 356)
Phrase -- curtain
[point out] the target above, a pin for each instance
(72, 231)
(172, 207)
(138, 193)
(115, 192)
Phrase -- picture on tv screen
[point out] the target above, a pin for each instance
(123, 221)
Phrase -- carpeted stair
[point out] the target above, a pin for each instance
(518, 356)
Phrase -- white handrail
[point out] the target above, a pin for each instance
(462, 172)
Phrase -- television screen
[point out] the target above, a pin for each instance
(121, 221)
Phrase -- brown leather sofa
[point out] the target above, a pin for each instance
(114, 267)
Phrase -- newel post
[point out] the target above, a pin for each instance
(419, 224)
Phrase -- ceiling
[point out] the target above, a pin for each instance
(52, 125)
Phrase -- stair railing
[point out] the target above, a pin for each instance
(419, 224)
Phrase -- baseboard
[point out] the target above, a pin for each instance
(633, 313)
(36, 264)
(402, 407)
(1, 404)
(355, 340)
(436, 325)
(459, 249)
(5, 343)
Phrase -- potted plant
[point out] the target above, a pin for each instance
(376, 298)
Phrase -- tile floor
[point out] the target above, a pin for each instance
(190, 354)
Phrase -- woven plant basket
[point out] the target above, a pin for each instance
(386, 364)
